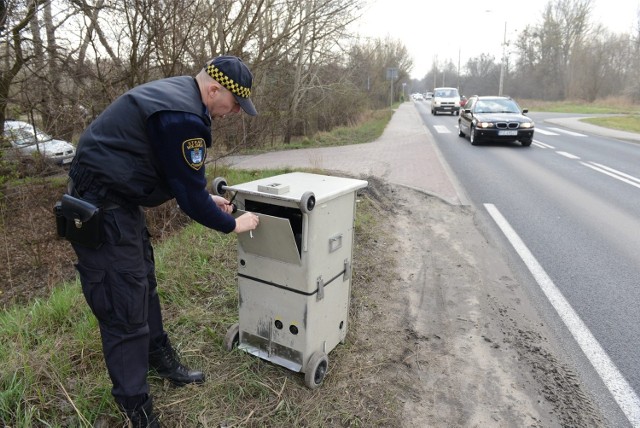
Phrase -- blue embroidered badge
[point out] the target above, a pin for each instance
(194, 152)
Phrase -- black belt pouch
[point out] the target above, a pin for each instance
(79, 221)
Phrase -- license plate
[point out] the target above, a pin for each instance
(446, 108)
(507, 132)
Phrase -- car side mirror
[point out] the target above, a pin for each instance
(525, 110)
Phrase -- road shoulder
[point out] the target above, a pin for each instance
(460, 344)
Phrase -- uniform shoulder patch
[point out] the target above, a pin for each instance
(194, 152)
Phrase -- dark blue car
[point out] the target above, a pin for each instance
(495, 118)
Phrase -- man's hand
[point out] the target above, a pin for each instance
(223, 204)
(246, 222)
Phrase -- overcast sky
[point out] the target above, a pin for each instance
(431, 28)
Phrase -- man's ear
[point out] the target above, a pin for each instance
(213, 88)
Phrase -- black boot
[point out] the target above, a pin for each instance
(142, 416)
(164, 360)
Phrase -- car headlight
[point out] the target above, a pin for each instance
(526, 125)
(485, 125)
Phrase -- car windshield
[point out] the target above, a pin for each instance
(24, 136)
(446, 94)
(496, 106)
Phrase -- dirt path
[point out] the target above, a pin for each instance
(468, 349)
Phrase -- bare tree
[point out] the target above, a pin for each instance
(66, 60)
(633, 84)
(545, 50)
(600, 66)
(16, 20)
(482, 76)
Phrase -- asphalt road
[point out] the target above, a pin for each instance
(571, 204)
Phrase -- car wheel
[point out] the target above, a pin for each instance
(460, 133)
(526, 143)
(472, 136)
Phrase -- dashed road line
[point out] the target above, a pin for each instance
(441, 129)
(542, 145)
(567, 155)
(564, 131)
(544, 132)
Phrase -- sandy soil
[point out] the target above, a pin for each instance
(465, 345)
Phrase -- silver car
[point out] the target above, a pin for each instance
(28, 140)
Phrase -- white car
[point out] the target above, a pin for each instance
(28, 140)
(445, 100)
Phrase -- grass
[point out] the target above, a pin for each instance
(606, 106)
(369, 128)
(52, 371)
(627, 114)
(629, 123)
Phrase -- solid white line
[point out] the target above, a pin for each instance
(568, 155)
(564, 131)
(615, 171)
(622, 392)
(604, 171)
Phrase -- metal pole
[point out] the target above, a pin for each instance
(502, 65)
(391, 100)
(459, 49)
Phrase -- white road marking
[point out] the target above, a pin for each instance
(542, 145)
(564, 131)
(544, 132)
(618, 175)
(622, 392)
(441, 129)
(568, 155)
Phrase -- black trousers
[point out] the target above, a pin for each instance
(119, 284)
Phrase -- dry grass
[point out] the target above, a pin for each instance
(53, 372)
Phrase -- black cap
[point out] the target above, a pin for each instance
(234, 75)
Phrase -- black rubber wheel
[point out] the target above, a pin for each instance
(219, 185)
(460, 133)
(526, 143)
(232, 338)
(472, 136)
(316, 370)
(307, 202)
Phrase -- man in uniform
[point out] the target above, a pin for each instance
(147, 147)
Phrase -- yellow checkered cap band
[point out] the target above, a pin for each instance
(228, 82)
